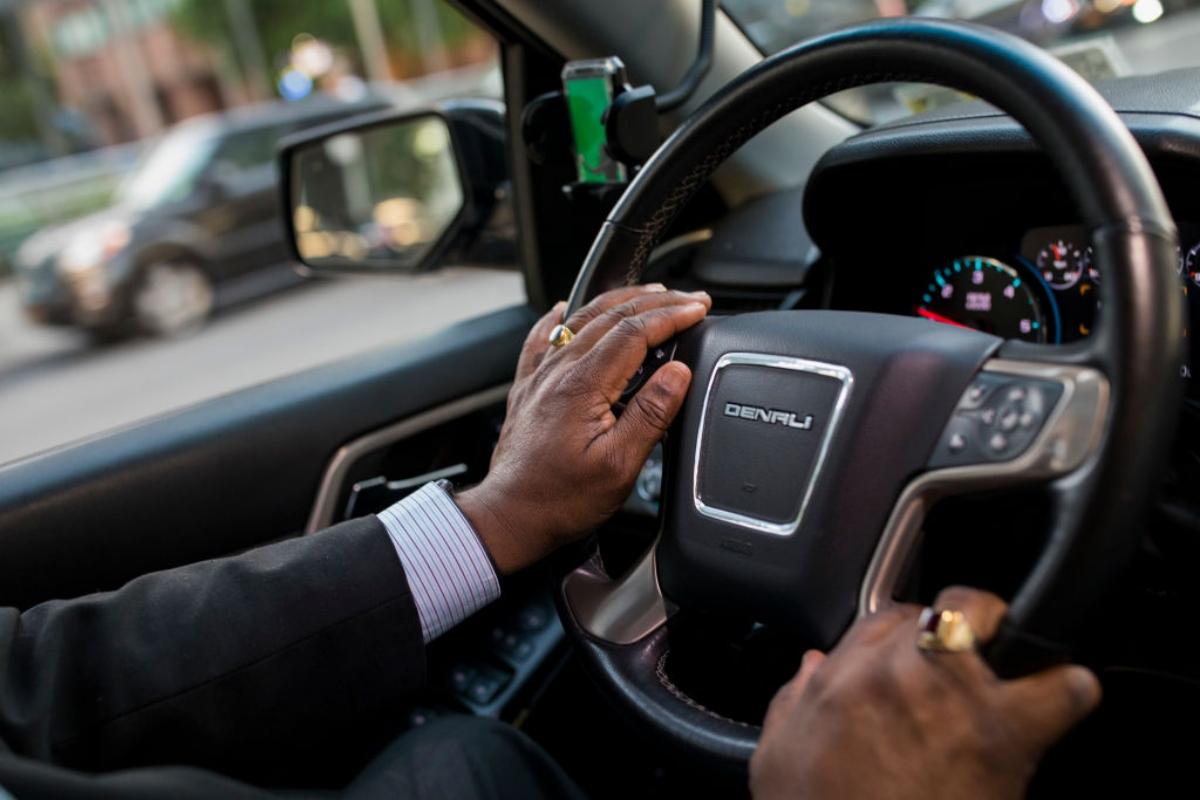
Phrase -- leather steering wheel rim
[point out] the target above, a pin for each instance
(1137, 343)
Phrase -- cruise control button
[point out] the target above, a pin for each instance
(1009, 420)
(998, 442)
(957, 443)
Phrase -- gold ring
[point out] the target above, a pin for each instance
(941, 631)
(561, 335)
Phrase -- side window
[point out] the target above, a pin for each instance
(253, 148)
(129, 289)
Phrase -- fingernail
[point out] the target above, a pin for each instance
(675, 377)
(1084, 686)
(656, 287)
(700, 293)
(696, 307)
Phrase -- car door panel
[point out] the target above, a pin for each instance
(227, 474)
(254, 237)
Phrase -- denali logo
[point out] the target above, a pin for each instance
(771, 416)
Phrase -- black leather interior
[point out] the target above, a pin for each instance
(1137, 345)
(227, 474)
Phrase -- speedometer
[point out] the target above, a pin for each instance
(1190, 265)
(987, 295)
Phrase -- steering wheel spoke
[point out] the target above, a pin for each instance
(617, 611)
(1018, 422)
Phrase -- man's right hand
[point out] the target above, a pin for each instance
(565, 463)
(879, 718)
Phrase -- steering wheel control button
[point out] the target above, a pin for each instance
(654, 359)
(996, 419)
(766, 426)
(976, 394)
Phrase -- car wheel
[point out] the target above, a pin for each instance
(172, 298)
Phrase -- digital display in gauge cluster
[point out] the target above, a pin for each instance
(1048, 291)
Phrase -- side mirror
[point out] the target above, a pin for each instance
(388, 192)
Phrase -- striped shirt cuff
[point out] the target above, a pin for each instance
(448, 570)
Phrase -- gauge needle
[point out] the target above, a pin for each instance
(927, 314)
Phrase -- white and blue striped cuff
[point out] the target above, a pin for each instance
(448, 569)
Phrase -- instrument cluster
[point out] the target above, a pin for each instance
(1047, 291)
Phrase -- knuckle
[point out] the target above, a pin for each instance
(588, 312)
(631, 327)
(606, 301)
(613, 316)
(573, 384)
(653, 410)
(879, 625)
(965, 595)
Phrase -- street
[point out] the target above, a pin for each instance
(55, 388)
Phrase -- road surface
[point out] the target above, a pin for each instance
(56, 389)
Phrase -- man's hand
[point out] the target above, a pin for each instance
(879, 718)
(565, 462)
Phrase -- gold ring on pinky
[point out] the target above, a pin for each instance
(941, 631)
(561, 335)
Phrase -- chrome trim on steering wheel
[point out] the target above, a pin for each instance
(1070, 436)
(835, 371)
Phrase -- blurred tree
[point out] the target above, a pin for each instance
(279, 21)
(19, 120)
(401, 34)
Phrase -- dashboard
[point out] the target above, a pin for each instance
(963, 222)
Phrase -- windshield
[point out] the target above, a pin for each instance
(1099, 38)
(168, 171)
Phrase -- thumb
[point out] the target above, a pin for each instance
(652, 410)
(1047, 705)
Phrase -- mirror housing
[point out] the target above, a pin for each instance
(399, 192)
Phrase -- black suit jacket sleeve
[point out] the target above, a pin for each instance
(250, 665)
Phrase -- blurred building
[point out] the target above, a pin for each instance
(120, 65)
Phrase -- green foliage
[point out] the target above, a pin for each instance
(396, 17)
(18, 121)
(279, 21)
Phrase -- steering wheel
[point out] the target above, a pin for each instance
(812, 442)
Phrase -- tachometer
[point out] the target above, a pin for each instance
(987, 295)
(1062, 263)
